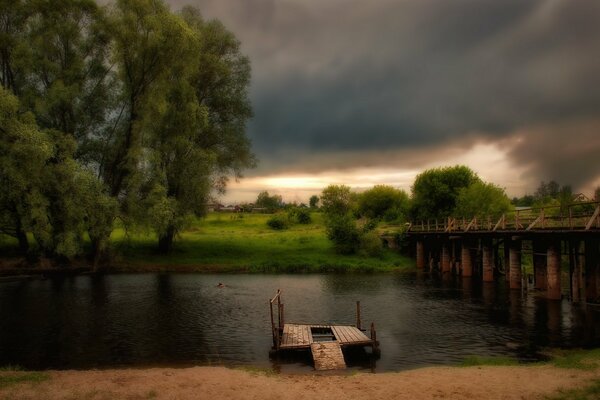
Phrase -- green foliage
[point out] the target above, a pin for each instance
(384, 202)
(524, 201)
(342, 231)
(24, 153)
(481, 199)
(303, 216)
(435, 191)
(588, 360)
(336, 200)
(14, 378)
(271, 203)
(370, 244)
(278, 222)
(589, 392)
(314, 201)
(220, 243)
(299, 215)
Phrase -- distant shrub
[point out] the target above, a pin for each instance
(278, 222)
(299, 215)
(342, 231)
(370, 245)
(303, 216)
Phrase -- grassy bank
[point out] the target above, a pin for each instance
(244, 242)
(582, 360)
(227, 242)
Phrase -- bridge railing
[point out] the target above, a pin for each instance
(575, 216)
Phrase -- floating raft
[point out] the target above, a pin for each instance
(325, 342)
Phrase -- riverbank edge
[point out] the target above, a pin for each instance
(506, 382)
(21, 269)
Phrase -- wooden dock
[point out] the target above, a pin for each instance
(325, 342)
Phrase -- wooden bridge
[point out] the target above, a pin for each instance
(490, 247)
(325, 342)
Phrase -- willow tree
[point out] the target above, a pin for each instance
(24, 151)
(199, 139)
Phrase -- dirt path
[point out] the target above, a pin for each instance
(223, 383)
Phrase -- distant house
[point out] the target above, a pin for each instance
(213, 207)
(230, 208)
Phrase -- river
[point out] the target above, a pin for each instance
(147, 320)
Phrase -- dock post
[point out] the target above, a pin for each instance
(375, 345)
(554, 292)
(465, 255)
(488, 266)
(515, 263)
(420, 255)
(358, 315)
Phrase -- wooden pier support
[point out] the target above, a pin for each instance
(553, 265)
(488, 266)
(420, 255)
(539, 265)
(592, 267)
(507, 259)
(466, 260)
(445, 264)
(515, 263)
(575, 270)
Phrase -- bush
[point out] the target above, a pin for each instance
(370, 244)
(342, 231)
(278, 222)
(303, 216)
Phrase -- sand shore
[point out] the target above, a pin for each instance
(223, 383)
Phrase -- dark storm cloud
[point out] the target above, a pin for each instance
(334, 78)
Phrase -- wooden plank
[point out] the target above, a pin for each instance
(350, 334)
(593, 219)
(327, 356)
(340, 334)
(359, 335)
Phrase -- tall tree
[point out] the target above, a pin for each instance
(197, 138)
(13, 16)
(24, 151)
(314, 201)
(337, 200)
(66, 77)
(435, 191)
(481, 199)
(146, 38)
(383, 201)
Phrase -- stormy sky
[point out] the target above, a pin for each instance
(368, 92)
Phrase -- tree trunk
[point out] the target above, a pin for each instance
(21, 236)
(98, 251)
(23, 242)
(165, 240)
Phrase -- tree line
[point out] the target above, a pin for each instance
(127, 114)
(457, 191)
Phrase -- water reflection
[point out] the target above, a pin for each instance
(185, 319)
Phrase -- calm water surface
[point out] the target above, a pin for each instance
(184, 319)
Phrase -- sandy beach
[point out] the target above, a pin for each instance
(224, 383)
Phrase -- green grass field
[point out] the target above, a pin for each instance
(244, 242)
